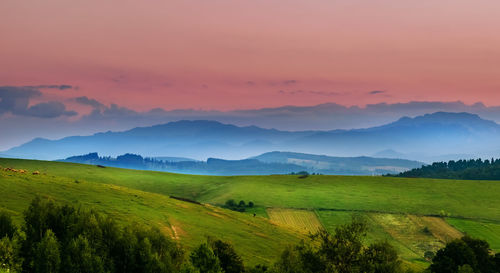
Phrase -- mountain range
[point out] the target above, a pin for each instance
(423, 138)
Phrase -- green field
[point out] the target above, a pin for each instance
(397, 209)
(302, 220)
(412, 235)
(486, 230)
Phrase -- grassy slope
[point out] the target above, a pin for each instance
(487, 230)
(471, 199)
(258, 240)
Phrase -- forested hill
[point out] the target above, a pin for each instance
(474, 169)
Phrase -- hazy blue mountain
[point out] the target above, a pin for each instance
(212, 166)
(198, 139)
(390, 153)
(265, 164)
(422, 137)
(340, 165)
(173, 158)
(430, 136)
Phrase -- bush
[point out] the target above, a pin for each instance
(241, 206)
(426, 230)
(429, 255)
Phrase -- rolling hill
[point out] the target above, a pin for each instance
(265, 164)
(362, 165)
(438, 134)
(415, 215)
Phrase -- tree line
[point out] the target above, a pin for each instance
(474, 169)
(57, 238)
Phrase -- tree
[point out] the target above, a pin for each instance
(341, 252)
(379, 258)
(230, 203)
(9, 258)
(465, 269)
(81, 257)
(250, 204)
(7, 228)
(47, 255)
(229, 260)
(204, 259)
(242, 204)
(90, 242)
(468, 251)
(344, 248)
(258, 269)
(289, 262)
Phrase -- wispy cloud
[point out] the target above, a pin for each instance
(289, 82)
(309, 92)
(376, 92)
(52, 86)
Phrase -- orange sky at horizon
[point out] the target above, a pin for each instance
(252, 54)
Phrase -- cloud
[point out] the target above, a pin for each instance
(90, 102)
(289, 82)
(376, 92)
(51, 109)
(15, 100)
(101, 111)
(60, 87)
(250, 83)
(311, 92)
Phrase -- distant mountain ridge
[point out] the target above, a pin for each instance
(420, 138)
(265, 164)
(340, 165)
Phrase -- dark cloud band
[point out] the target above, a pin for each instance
(15, 100)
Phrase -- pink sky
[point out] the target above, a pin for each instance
(251, 54)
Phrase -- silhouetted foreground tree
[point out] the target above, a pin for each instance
(466, 255)
(63, 239)
(58, 238)
(341, 252)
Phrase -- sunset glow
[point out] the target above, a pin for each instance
(249, 54)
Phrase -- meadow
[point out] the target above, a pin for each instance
(415, 215)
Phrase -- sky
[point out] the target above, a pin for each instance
(61, 60)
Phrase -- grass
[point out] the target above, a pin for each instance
(257, 239)
(302, 220)
(376, 194)
(411, 235)
(486, 230)
(397, 209)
